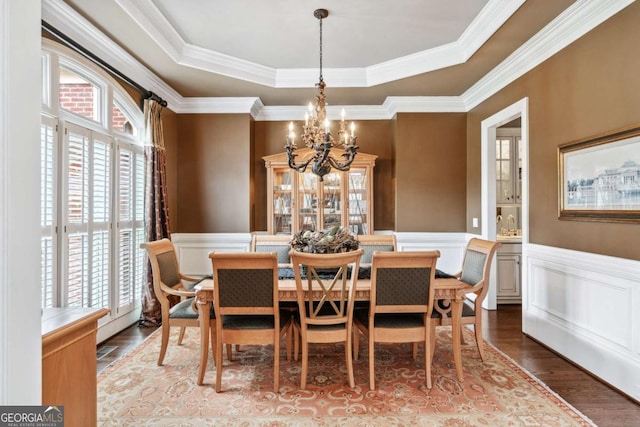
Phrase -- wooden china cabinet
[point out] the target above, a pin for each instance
(299, 201)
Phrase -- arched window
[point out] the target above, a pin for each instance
(92, 192)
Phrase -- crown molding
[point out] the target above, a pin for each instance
(573, 23)
(157, 26)
(577, 20)
(68, 21)
(220, 105)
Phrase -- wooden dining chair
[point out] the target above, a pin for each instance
(246, 305)
(371, 243)
(475, 272)
(400, 306)
(325, 288)
(278, 243)
(168, 281)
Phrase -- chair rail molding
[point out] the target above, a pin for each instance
(587, 308)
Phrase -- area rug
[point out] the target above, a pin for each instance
(134, 391)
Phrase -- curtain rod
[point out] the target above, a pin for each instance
(146, 94)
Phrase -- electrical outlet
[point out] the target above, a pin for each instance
(475, 222)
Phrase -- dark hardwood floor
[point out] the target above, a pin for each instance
(602, 404)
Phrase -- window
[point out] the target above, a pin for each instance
(120, 120)
(78, 94)
(48, 197)
(92, 189)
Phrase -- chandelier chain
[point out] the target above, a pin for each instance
(321, 79)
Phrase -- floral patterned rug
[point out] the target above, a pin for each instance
(134, 391)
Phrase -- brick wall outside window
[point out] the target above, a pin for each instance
(78, 98)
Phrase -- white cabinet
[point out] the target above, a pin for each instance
(508, 166)
(509, 273)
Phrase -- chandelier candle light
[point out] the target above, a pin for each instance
(317, 134)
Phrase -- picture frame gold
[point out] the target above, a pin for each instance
(599, 177)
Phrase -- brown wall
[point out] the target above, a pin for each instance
(214, 172)
(430, 171)
(588, 88)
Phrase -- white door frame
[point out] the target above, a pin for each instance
(488, 183)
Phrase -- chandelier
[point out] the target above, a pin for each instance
(317, 133)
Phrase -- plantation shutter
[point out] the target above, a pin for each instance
(48, 206)
(131, 259)
(99, 227)
(88, 217)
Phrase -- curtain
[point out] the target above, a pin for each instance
(156, 203)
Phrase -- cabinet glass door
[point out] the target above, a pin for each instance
(331, 200)
(307, 203)
(504, 183)
(357, 188)
(282, 200)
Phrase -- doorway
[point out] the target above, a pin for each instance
(488, 186)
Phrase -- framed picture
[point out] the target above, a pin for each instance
(599, 177)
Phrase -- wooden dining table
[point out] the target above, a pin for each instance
(450, 291)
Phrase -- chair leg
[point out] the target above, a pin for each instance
(479, 339)
(372, 375)
(428, 354)
(214, 344)
(289, 338)
(305, 362)
(296, 342)
(349, 358)
(164, 342)
(276, 361)
(230, 352)
(181, 336)
(356, 343)
(218, 358)
(415, 350)
(433, 341)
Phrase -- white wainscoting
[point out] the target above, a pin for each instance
(450, 245)
(193, 249)
(587, 308)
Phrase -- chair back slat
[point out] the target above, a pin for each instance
(245, 287)
(403, 286)
(169, 271)
(473, 267)
(325, 298)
